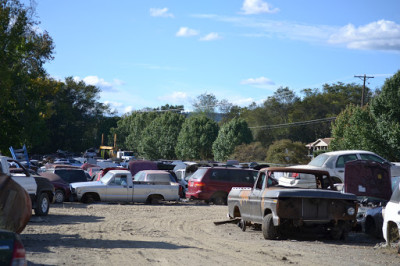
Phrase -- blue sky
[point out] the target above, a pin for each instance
(156, 52)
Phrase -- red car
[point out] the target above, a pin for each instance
(213, 184)
(104, 171)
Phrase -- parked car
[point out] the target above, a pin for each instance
(391, 217)
(371, 221)
(334, 162)
(12, 251)
(67, 176)
(62, 189)
(104, 171)
(280, 209)
(213, 184)
(118, 186)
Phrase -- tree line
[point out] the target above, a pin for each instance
(48, 114)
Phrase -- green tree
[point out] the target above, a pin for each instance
(23, 52)
(355, 128)
(160, 137)
(196, 138)
(287, 152)
(252, 152)
(386, 110)
(231, 134)
(76, 114)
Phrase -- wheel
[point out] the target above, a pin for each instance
(393, 233)
(155, 199)
(59, 196)
(219, 199)
(88, 199)
(340, 231)
(269, 230)
(242, 225)
(43, 205)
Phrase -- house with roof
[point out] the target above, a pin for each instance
(319, 145)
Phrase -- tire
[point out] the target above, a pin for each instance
(269, 230)
(155, 199)
(242, 225)
(59, 196)
(42, 205)
(88, 199)
(219, 199)
(393, 233)
(340, 231)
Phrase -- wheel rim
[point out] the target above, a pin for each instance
(59, 197)
(45, 204)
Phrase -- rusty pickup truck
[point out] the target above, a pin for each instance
(281, 208)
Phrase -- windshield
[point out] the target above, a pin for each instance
(106, 177)
(319, 160)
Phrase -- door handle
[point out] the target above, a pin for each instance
(341, 171)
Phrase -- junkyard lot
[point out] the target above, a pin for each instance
(177, 234)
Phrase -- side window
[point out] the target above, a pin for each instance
(119, 181)
(260, 181)
(371, 157)
(241, 176)
(344, 159)
(219, 175)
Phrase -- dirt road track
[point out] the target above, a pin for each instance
(177, 234)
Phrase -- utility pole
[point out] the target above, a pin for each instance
(365, 77)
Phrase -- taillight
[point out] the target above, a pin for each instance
(296, 175)
(198, 184)
(18, 258)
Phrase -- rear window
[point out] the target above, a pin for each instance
(71, 176)
(199, 173)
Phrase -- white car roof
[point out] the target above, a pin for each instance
(347, 152)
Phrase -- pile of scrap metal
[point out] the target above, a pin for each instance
(15, 205)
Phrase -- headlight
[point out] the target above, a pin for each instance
(351, 211)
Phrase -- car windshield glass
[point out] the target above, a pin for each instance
(106, 177)
(199, 173)
(319, 160)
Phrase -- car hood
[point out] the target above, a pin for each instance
(368, 179)
(87, 184)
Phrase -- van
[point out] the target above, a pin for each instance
(213, 184)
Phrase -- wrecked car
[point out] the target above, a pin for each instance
(281, 209)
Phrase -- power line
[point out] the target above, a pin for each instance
(302, 123)
(365, 77)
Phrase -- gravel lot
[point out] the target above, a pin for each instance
(178, 234)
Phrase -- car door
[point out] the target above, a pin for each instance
(340, 163)
(255, 199)
(117, 189)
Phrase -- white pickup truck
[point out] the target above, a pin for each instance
(40, 190)
(118, 186)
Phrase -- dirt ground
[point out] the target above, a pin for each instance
(178, 234)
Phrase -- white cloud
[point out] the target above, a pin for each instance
(176, 97)
(211, 37)
(160, 12)
(378, 35)
(261, 82)
(186, 32)
(101, 83)
(257, 7)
